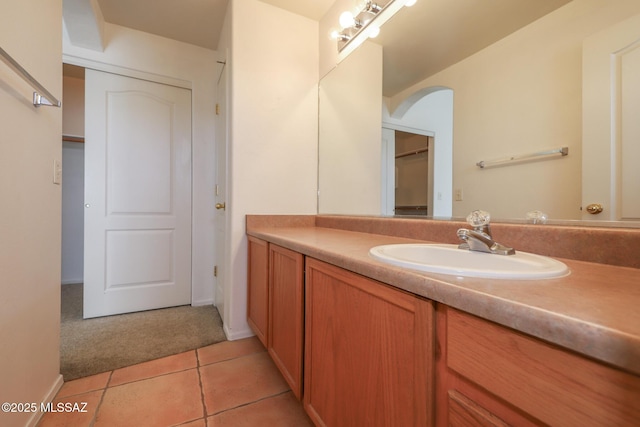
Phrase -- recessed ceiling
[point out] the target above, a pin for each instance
(197, 22)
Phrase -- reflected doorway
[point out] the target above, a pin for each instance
(413, 174)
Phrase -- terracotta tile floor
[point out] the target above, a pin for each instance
(232, 383)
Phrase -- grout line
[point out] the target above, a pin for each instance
(164, 374)
(255, 401)
(104, 391)
(156, 375)
(109, 380)
(240, 356)
(202, 399)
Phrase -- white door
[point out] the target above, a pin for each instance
(610, 125)
(137, 195)
(221, 188)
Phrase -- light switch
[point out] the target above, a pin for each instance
(458, 194)
(57, 171)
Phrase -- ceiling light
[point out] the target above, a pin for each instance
(347, 20)
(353, 24)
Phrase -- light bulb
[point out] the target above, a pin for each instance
(374, 31)
(347, 20)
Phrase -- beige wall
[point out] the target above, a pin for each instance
(350, 158)
(542, 63)
(30, 216)
(273, 75)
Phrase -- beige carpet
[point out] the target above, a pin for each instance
(102, 344)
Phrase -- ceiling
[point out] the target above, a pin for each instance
(418, 42)
(196, 22)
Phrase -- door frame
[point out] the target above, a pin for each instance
(388, 164)
(155, 78)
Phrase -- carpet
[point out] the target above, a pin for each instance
(92, 346)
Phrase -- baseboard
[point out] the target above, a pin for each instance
(72, 281)
(202, 302)
(237, 335)
(51, 394)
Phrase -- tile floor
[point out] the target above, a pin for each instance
(232, 383)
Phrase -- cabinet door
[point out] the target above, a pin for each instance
(286, 314)
(498, 375)
(368, 351)
(257, 288)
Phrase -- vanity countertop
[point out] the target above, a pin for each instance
(595, 311)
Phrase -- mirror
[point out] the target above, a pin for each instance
(514, 72)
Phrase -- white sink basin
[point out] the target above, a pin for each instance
(448, 259)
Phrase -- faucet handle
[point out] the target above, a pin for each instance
(478, 218)
(536, 217)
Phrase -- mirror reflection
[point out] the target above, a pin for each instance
(478, 90)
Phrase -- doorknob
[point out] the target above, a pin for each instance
(220, 206)
(594, 208)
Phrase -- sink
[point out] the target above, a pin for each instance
(448, 259)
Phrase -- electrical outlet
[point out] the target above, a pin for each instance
(57, 171)
(458, 194)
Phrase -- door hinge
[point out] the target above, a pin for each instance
(215, 271)
(217, 109)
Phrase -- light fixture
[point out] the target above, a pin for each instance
(373, 31)
(347, 20)
(353, 25)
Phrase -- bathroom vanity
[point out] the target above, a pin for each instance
(366, 343)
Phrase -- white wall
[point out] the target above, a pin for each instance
(543, 64)
(72, 181)
(273, 69)
(30, 216)
(350, 135)
(134, 52)
(72, 212)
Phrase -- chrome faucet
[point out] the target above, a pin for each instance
(479, 239)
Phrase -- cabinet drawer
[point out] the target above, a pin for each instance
(550, 384)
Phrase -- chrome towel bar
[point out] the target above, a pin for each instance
(41, 96)
(563, 151)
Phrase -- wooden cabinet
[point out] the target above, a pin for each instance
(489, 375)
(286, 314)
(258, 288)
(275, 306)
(368, 351)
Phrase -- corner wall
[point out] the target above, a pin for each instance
(273, 69)
(30, 32)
